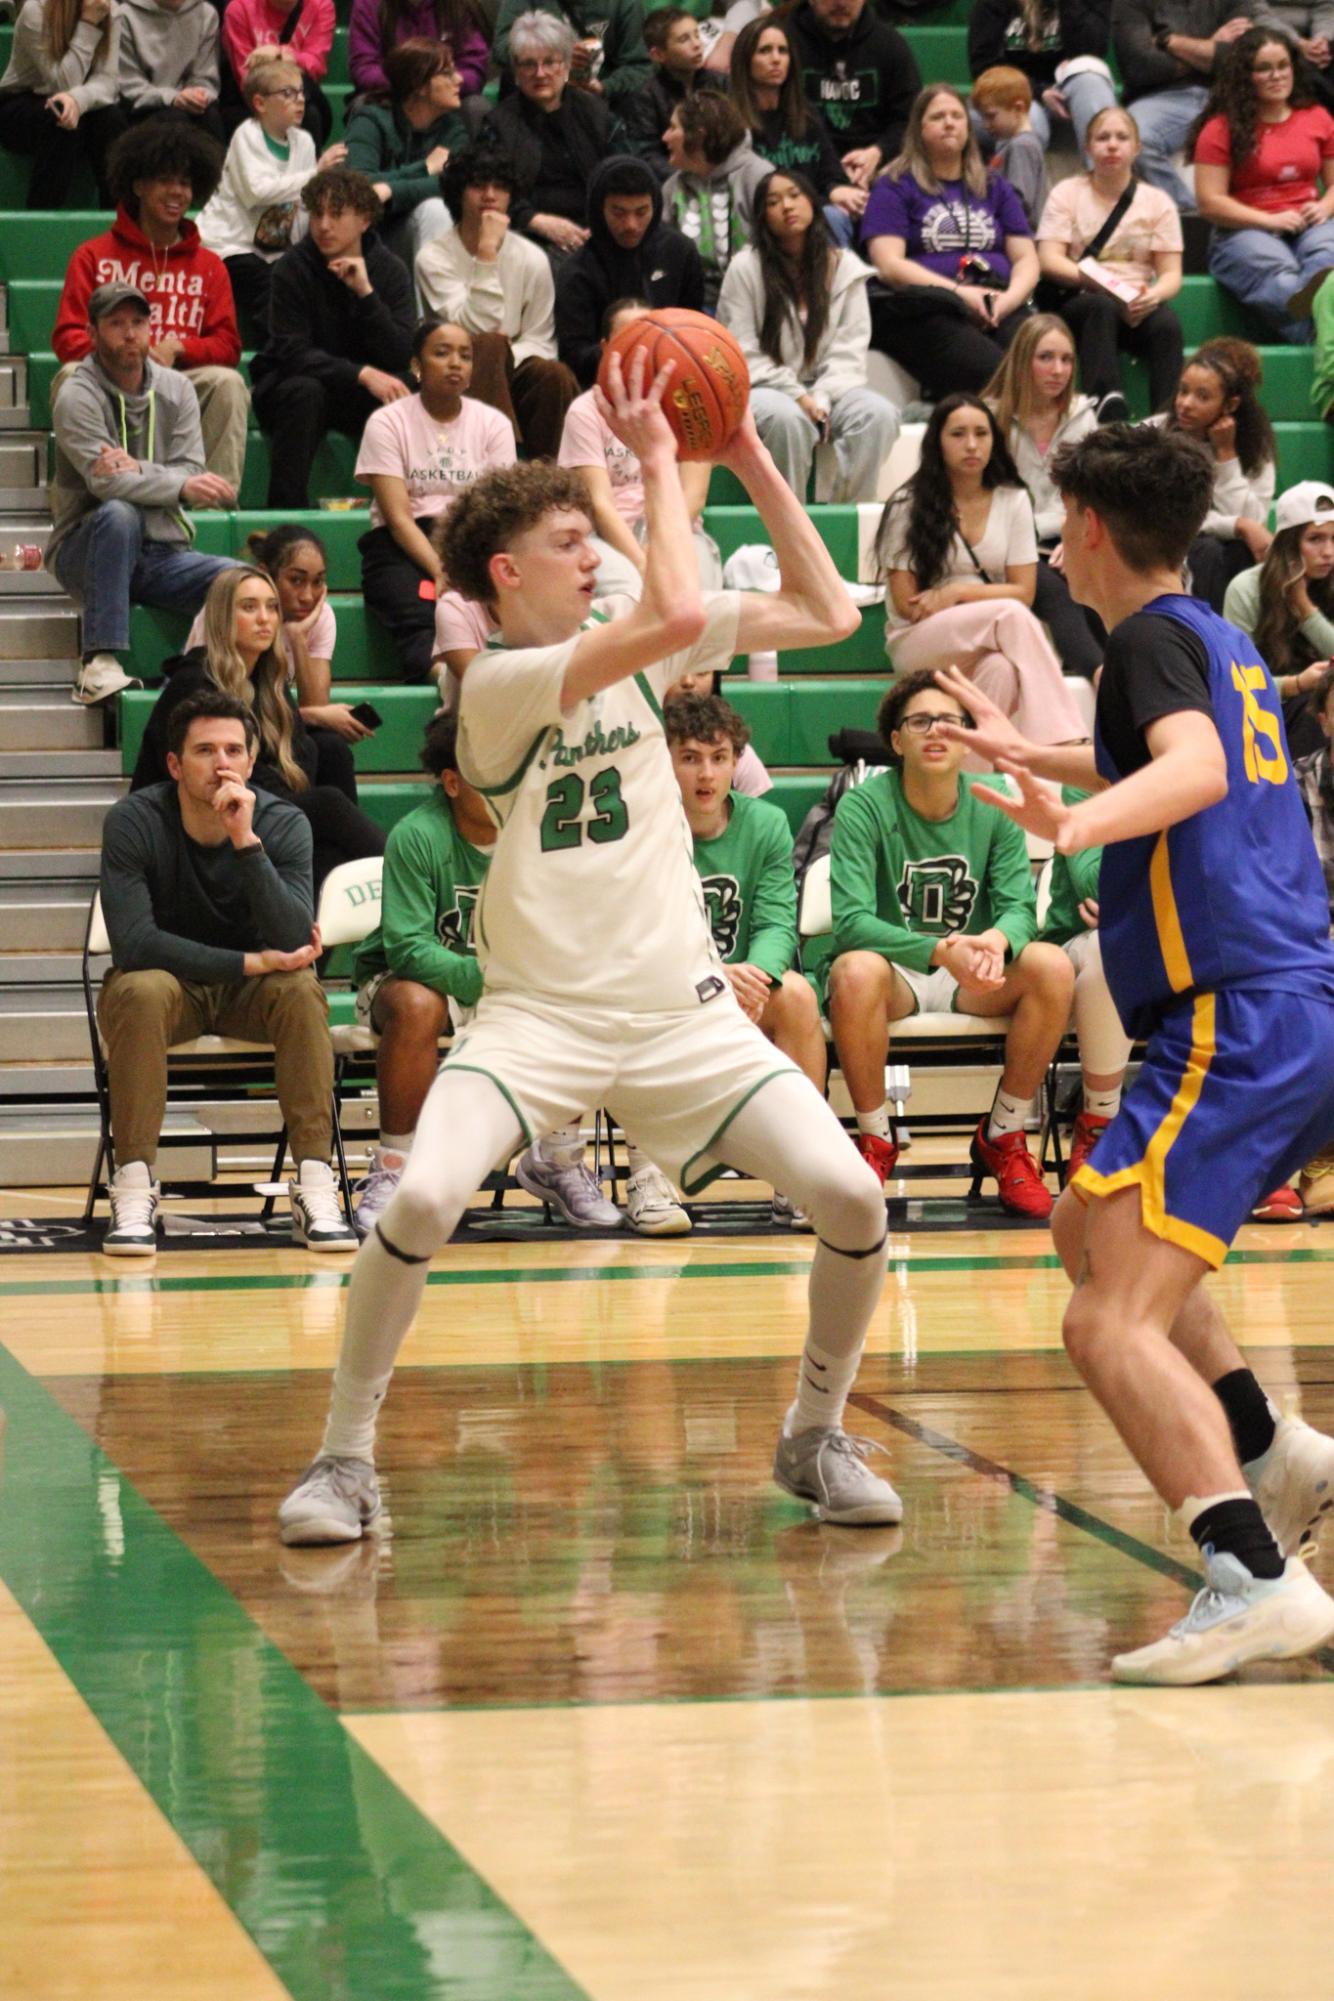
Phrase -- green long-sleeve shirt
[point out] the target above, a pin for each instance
(427, 900)
(749, 887)
(1074, 880)
(900, 883)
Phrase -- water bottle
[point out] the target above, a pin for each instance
(21, 556)
(762, 667)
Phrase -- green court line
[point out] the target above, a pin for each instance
(562, 1274)
(348, 1890)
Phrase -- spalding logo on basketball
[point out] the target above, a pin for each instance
(709, 388)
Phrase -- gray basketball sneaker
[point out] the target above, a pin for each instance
(828, 1468)
(569, 1188)
(335, 1500)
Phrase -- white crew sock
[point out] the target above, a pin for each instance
(1102, 1104)
(876, 1122)
(563, 1146)
(1008, 1115)
(400, 1143)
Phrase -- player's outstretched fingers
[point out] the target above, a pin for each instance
(658, 387)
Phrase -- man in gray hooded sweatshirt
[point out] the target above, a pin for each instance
(129, 459)
(169, 62)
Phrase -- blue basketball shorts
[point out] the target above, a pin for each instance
(1235, 1094)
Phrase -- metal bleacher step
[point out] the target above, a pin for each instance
(35, 1083)
(35, 719)
(69, 872)
(36, 814)
(44, 967)
(41, 917)
(38, 680)
(23, 463)
(47, 1022)
(75, 762)
(39, 632)
(54, 1145)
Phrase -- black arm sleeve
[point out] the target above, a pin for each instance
(1153, 667)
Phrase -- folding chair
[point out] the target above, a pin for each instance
(207, 1058)
(943, 1039)
(349, 911)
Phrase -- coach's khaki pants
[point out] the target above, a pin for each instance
(141, 1015)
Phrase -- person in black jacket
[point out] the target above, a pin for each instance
(861, 75)
(1167, 50)
(554, 136)
(676, 49)
(631, 253)
(340, 332)
(1044, 38)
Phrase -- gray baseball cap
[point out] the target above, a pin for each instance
(107, 297)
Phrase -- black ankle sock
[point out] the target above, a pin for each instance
(1239, 1528)
(1248, 1413)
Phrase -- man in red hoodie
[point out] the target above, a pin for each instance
(157, 171)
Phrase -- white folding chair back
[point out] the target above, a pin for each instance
(99, 943)
(350, 902)
(816, 915)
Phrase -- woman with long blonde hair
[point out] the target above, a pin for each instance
(1038, 409)
(244, 654)
(953, 246)
(59, 97)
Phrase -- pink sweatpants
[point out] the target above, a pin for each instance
(1000, 645)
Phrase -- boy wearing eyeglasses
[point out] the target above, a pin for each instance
(934, 910)
(256, 213)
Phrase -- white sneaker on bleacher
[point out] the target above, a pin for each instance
(99, 678)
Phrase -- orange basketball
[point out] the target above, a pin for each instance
(706, 397)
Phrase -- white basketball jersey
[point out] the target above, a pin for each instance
(592, 895)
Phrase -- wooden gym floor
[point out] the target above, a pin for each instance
(609, 1718)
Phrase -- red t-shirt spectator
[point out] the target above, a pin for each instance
(1283, 170)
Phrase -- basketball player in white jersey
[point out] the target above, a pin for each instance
(602, 984)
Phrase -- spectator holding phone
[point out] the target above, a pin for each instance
(417, 454)
(58, 94)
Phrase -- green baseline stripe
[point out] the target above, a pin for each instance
(562, 1274)
(332, 1871)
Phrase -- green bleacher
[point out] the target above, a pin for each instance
(821, 690)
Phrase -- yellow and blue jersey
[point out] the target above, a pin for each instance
(1232, 897)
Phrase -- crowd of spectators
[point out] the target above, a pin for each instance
(437, 281)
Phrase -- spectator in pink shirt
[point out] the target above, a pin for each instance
(417, 455)
(254, 27)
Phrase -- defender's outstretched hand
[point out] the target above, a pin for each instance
(993, 735)
(1038, 810)
(634, 412)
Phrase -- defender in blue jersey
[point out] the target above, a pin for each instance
(1215, 941)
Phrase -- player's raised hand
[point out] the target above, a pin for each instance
(993, 736)
(633, 407)
(1038, 810)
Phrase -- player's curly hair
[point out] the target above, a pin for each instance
(889, 716)
(161, 149)
(1152, 487)
(488, 515)
(703, 719)
(1233, 96)
(927, 498)
(335, 189)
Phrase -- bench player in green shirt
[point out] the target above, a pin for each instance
(934, 909)
(417, 975)
(743, 856)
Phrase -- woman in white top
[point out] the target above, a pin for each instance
(959, 550)
(1217, 402)
(1140, 256)
(1038, 410)
(417, 455)
(59, 95)
(798, 309)
(1286, 604)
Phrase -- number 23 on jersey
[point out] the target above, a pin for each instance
(562, 825)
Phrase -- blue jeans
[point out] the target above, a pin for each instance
(842, 226)
(1264, 270)
(106, 564)
(1164, 118)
